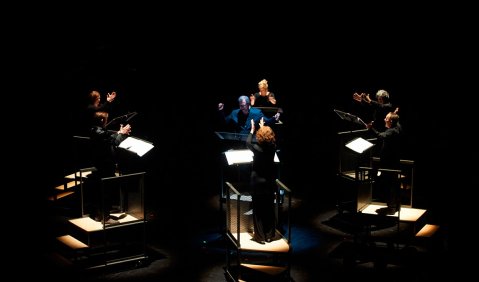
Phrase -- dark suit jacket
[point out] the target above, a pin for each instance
(242, 124)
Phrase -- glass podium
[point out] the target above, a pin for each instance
(119, 238)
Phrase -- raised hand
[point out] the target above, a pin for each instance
(357, 97)
(366, 98)
(125, 129)
(369, 125)
(277, 115)
(261, 122)
(111, 96)
(272, 100)
(252, 98)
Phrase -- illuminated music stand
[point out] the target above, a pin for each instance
(236, 155)
(355, 141)
(359, 145)
(242, 156)
(136, 145)
(239, 158)
(354, 180)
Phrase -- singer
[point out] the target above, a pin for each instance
(94, 105)
(104, 148)
(238, 120)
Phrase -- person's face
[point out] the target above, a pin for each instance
(387, 121)
(262, 88)
(244, 107)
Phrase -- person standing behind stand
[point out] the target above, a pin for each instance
(104, 145)
(263, 98)
(95, 105)
(238, 118)
(381, 107)
(262, 182)
(389, 158)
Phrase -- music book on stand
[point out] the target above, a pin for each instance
(136, 145)
(242, 156)
(359, 145)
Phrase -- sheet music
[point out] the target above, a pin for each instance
(136, 145)
(359, 145)
(242, 156)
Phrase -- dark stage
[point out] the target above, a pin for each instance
(176, 98)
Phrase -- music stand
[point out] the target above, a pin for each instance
(359, 145)
(233, 136)
(355, 191)
(126, 117)
(350, 117)
(136, 145)
(243, 156)
(239, 160)
(271, 111)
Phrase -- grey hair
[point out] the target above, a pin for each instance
(382, 93)
(244, 98)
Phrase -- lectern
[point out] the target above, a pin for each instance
(232, 140)
(236, 160)
(355, 150)
(239, 163)
(122, 238)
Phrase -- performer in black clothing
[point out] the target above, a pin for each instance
(389, 158)
(263, 98)
(104, 145)
(262, 182)
(95, 105)
(381, 107)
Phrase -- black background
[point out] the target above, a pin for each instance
(174, 70)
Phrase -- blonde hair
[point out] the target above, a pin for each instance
(264, 83)
(265, 134)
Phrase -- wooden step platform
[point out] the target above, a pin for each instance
(405, 215)
(72, 242)
(277, 246)
(83, 173)
(60, 195)
(268, 269)
(427, 231)
(89, 225)
(68, 185)
(430, 238)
